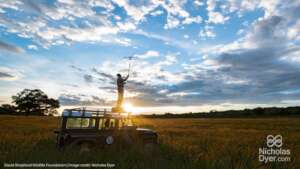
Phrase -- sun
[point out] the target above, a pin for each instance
(129, 108)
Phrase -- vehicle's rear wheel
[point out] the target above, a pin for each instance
(60, 142)
(85, 147)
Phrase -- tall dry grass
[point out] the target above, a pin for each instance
(183, 143)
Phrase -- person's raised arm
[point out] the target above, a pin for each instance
(126, 77)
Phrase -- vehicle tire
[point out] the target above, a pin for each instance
(149, 147)
(109, 140)
(128, 140)
(85, 147)
(58, 141)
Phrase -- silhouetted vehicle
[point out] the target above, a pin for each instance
(89, 128)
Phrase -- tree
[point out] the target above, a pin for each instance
(35, 102)
(7, 109)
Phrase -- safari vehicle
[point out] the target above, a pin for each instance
(81, 127)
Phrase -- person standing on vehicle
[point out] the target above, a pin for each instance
(120, 83)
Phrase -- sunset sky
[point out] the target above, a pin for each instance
(189, 55)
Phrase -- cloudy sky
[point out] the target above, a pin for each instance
(189, 55)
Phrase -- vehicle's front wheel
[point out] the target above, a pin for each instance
(149, 147)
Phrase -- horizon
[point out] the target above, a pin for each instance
(189, 56)
(172, 110)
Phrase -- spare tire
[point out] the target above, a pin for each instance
(127, 138)
(109, 140)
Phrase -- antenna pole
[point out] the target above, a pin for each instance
(130, 58)
(129, 66)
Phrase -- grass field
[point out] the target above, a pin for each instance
(184, 143)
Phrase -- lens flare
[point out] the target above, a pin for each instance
(129, 108)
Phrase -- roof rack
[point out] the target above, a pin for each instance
(83, 112)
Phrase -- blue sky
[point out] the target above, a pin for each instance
(190, 55)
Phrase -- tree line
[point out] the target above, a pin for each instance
(30, 102)
(256, 112)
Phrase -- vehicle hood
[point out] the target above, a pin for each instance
(144, 130)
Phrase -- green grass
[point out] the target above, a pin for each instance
(183, 143)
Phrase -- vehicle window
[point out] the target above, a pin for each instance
(117, 123)
(120, 123)
(106, 123)
(101, 124)
(81, 123)
(109, 123)
(112, 123)
(88, 123)
(127, 122)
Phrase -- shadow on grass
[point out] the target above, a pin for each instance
(133, 157)
(163, 156)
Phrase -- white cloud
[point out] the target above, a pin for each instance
(98, 28)
(10, 5)
(180, 94)
(211, 5)
(172, 22)
(240, 31)
(175, 12)
(216, 18)
(69, 10)
(270, 7)
(239, 6)
(137, 13)
(149, 54)
(46, 36)
(117, 17)
(170, 59)
(207, 32)
(189, 20)
(33, 47)
(293, 32)
(175, 8)
(127, 26)
(198, 3)
(106, 4)
(156, 13)
(122, 41)
(70, 2)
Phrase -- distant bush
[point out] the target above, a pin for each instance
(8, 109)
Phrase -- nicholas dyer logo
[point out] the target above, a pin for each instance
(274, 152)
